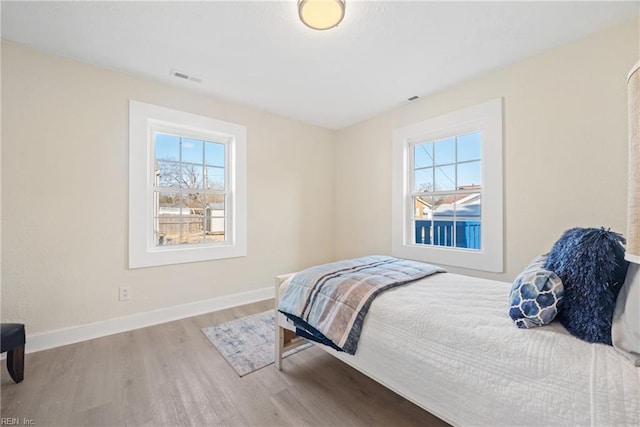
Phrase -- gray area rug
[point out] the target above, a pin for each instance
(248, 343)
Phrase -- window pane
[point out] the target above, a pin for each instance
(214, 154)
(215, 202)
(214, 178)
(192, 229)
(441, 206)
(468, 221)
(445, 151)
(167, 203)
(470, 147)
(167, 174)
(214, 229)
(167, 147)
(167, 230)
(423, 179)
(423, 155)
(422, 207)
(195, 202)
(422, 232)
(468, 234)
(442, 233)
(192, 218)
(191, 177)
(470, 175)
(445, 178)
(192, 151)
(214, 223)
(469, 207)
(167, 211)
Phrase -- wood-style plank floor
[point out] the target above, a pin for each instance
(170, 375)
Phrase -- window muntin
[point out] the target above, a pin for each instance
(446, 177)
(189, 190)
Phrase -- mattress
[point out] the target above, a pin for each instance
(446, 343)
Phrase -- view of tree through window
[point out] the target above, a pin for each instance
(189, 190)
(446, 191)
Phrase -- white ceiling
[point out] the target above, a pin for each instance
(258, 54)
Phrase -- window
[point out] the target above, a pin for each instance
(190, 189)
(187, 187)
(447, 189)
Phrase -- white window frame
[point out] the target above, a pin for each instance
(487, 119)
(144, 121)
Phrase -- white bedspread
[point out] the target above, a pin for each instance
(447, 343)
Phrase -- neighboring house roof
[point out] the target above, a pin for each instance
(468, 205)
(472, 209)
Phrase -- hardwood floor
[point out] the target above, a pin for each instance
(170, 375)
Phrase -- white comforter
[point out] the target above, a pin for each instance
(447, 343)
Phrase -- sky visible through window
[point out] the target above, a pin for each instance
(167, 147)
(207, 158)
(448, 164)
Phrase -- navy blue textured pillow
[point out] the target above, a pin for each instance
(590, 262)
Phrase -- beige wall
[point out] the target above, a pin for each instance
(314, 195)
(565, 149)
(65, 192)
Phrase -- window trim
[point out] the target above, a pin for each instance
(487, 118)
(144, 119)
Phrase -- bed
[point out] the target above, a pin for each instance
(447, 344)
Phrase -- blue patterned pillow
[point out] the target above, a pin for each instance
(535, 295)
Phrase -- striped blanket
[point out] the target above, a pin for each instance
(328, 303)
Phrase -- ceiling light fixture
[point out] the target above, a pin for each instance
(321, 14)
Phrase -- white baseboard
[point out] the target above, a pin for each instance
(56, 338)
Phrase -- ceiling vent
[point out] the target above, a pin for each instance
(185, 76)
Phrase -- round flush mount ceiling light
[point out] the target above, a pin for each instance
(321, 14)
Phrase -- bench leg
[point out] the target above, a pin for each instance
(279, 343)
(15, 363)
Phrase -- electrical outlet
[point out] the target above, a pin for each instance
(125, 293)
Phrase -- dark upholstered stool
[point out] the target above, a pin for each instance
(12, 340)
